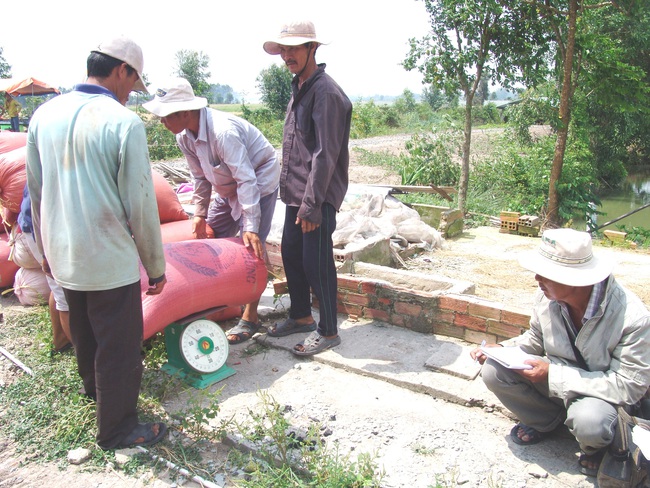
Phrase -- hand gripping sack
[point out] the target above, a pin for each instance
(624, 465)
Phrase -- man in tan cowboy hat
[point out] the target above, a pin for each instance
(591, 339)
(232, 156)
(313, 183)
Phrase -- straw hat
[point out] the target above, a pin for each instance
(565, 256)
(127, 51)
(293, 34)
(174, 96)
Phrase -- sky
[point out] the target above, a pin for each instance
(368, 39)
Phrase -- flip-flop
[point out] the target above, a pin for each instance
(534, 436)
(288, 327)
(315, 343)
(244, 330)
(143, 435)
(595, 458)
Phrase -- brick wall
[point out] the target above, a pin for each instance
(466, 317)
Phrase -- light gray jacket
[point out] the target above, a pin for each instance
(615, 345)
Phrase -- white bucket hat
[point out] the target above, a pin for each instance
(565, 256)
(127, 51)
(174, 96)
(293, 34)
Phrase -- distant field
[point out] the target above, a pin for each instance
(235, 108)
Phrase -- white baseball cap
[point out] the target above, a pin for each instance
(127, 51)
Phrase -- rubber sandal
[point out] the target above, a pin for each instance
(315, 343)
(595, 458)
(143, 435)
(288, 327)
(244, 330)
(534, 436)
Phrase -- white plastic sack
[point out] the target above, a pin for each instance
(31, 287)
(20, 251)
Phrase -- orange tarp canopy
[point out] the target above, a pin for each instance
(27, 86)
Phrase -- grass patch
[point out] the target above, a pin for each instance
(45, 417)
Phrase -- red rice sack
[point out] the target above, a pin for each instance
(169, 208)
(202, 274)
(9, 219)
(31, 287)
(181, 230)
(12, 140)
(12, 179)
(8, 268)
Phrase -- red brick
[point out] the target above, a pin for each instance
(346, 283)
(369, 287)
(515, 318)
(450, 303)
(443, 316)
(373, 313)
(349, 309)
(448, 330)
(469, 322)
(384, 301)
(357, 299)
(397, 320)
(408, 309)
(503, 330)
(485, 311)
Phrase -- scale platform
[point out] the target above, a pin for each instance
(197, 350)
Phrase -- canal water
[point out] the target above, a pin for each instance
(633, 194)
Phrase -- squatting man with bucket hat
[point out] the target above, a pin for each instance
(313, 183)
(591, 342)
(232, 156)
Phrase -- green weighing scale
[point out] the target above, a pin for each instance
(197, 350)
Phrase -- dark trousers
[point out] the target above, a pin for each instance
(308, 261)
(106, 329)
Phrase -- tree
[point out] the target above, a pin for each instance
(274, 84)
(470, 39)
(5, 68)
(578, 52)
(193, 66)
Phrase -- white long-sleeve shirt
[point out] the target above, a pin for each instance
(234, 157)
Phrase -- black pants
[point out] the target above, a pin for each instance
(308, 261)
(106, 329)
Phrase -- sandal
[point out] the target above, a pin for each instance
(534, 436)
(315, 343)
(594, 459)
(144, 435)
(288, 327)
(244, 330)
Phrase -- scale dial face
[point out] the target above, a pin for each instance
(204, 346)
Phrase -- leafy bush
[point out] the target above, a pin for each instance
(430, 159)
(161, 142)
(266, 121)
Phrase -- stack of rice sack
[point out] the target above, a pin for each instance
(12, 183)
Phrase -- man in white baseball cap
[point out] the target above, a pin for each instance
(95, 221)
(591, 342)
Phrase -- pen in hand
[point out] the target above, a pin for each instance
(482, 344)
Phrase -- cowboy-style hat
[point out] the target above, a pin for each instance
(565, 256)
(293, 34)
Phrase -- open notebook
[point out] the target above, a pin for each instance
(512, 357)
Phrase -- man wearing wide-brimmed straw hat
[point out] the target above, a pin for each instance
(313, 183)
(232, 156)
(591, 342)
